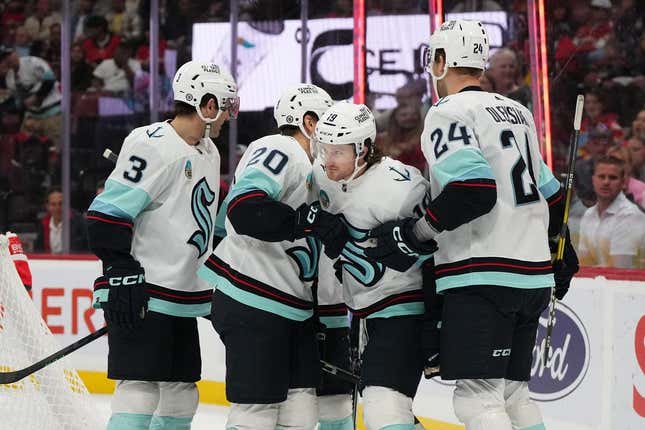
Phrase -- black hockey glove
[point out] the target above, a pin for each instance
(563, 271)
(328, 228)
(397, 247)
(127, 298)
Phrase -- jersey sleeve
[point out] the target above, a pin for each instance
(462, 180)
(253, 204)
(140, 178)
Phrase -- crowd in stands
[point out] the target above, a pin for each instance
(596, 47)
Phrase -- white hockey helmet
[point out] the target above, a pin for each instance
(296, 101)
(195, 79)
(346, 124)
(465, 44)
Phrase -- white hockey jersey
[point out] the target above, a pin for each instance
(479, 135)
(387, 191)
(169, 189)
(272, 276)
(27, 82)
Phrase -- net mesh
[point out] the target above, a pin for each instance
(53, 398)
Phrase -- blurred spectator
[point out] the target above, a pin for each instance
(504, 69)
(411, 94)
(124, 21)
(32, 158)
(636, 145)
(598, 144)
(13, 14)
(22, 41)
(50, 228)
(628, 24)
(32, 83)
(81, 72)
(611, 231)
(39, 24)
(85, 10)
(402, 139)
(100, 43)
(633, 189)
(593, 35)
(52, 49)
(116, 75)
(142, 53)
(596, 117)
(475, 6)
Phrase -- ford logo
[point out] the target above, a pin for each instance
(569, 359)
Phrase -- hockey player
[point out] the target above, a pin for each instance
(263, 270)
(353, 178)
(156, 215)
(489, 214)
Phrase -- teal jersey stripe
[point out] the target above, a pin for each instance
(401, 309)
(535, 427)
(464, 164)
(125, 421)
(222, 284)
(254, 179)
(398, 427)
(342, 424)
(171, 423)
(129, 201)
(547, 183)
(338, 321)
(179, 309)
(109, 209)
(503, 279)
(220, 220)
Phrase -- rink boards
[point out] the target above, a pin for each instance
(596, 380)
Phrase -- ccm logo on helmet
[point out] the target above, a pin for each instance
(502, 352)
(127, 280)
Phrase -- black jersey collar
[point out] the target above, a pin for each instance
(471, 88)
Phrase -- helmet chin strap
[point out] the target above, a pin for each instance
(436, 79)
(208, 121)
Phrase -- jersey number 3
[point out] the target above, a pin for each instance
(136, 172)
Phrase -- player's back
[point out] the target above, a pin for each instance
(508, 246)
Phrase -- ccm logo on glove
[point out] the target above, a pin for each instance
(127, 280)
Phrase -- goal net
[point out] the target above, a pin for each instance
(53, 398)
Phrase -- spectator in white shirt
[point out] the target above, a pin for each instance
(612, 232)
(116, 75)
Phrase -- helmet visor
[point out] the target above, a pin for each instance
(332, 153)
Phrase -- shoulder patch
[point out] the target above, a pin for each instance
(188, 170)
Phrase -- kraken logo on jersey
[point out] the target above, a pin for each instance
(354, 261)
(306, 258)
(202, 198)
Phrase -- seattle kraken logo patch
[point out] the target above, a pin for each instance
(188, 170)
(202, 198)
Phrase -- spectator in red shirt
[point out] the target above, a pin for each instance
(596, 117)
(100, 43)
(13, 13)
(592, 36)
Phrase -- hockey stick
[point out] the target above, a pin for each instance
(573, 149)
(110, 155)
(17, 375)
